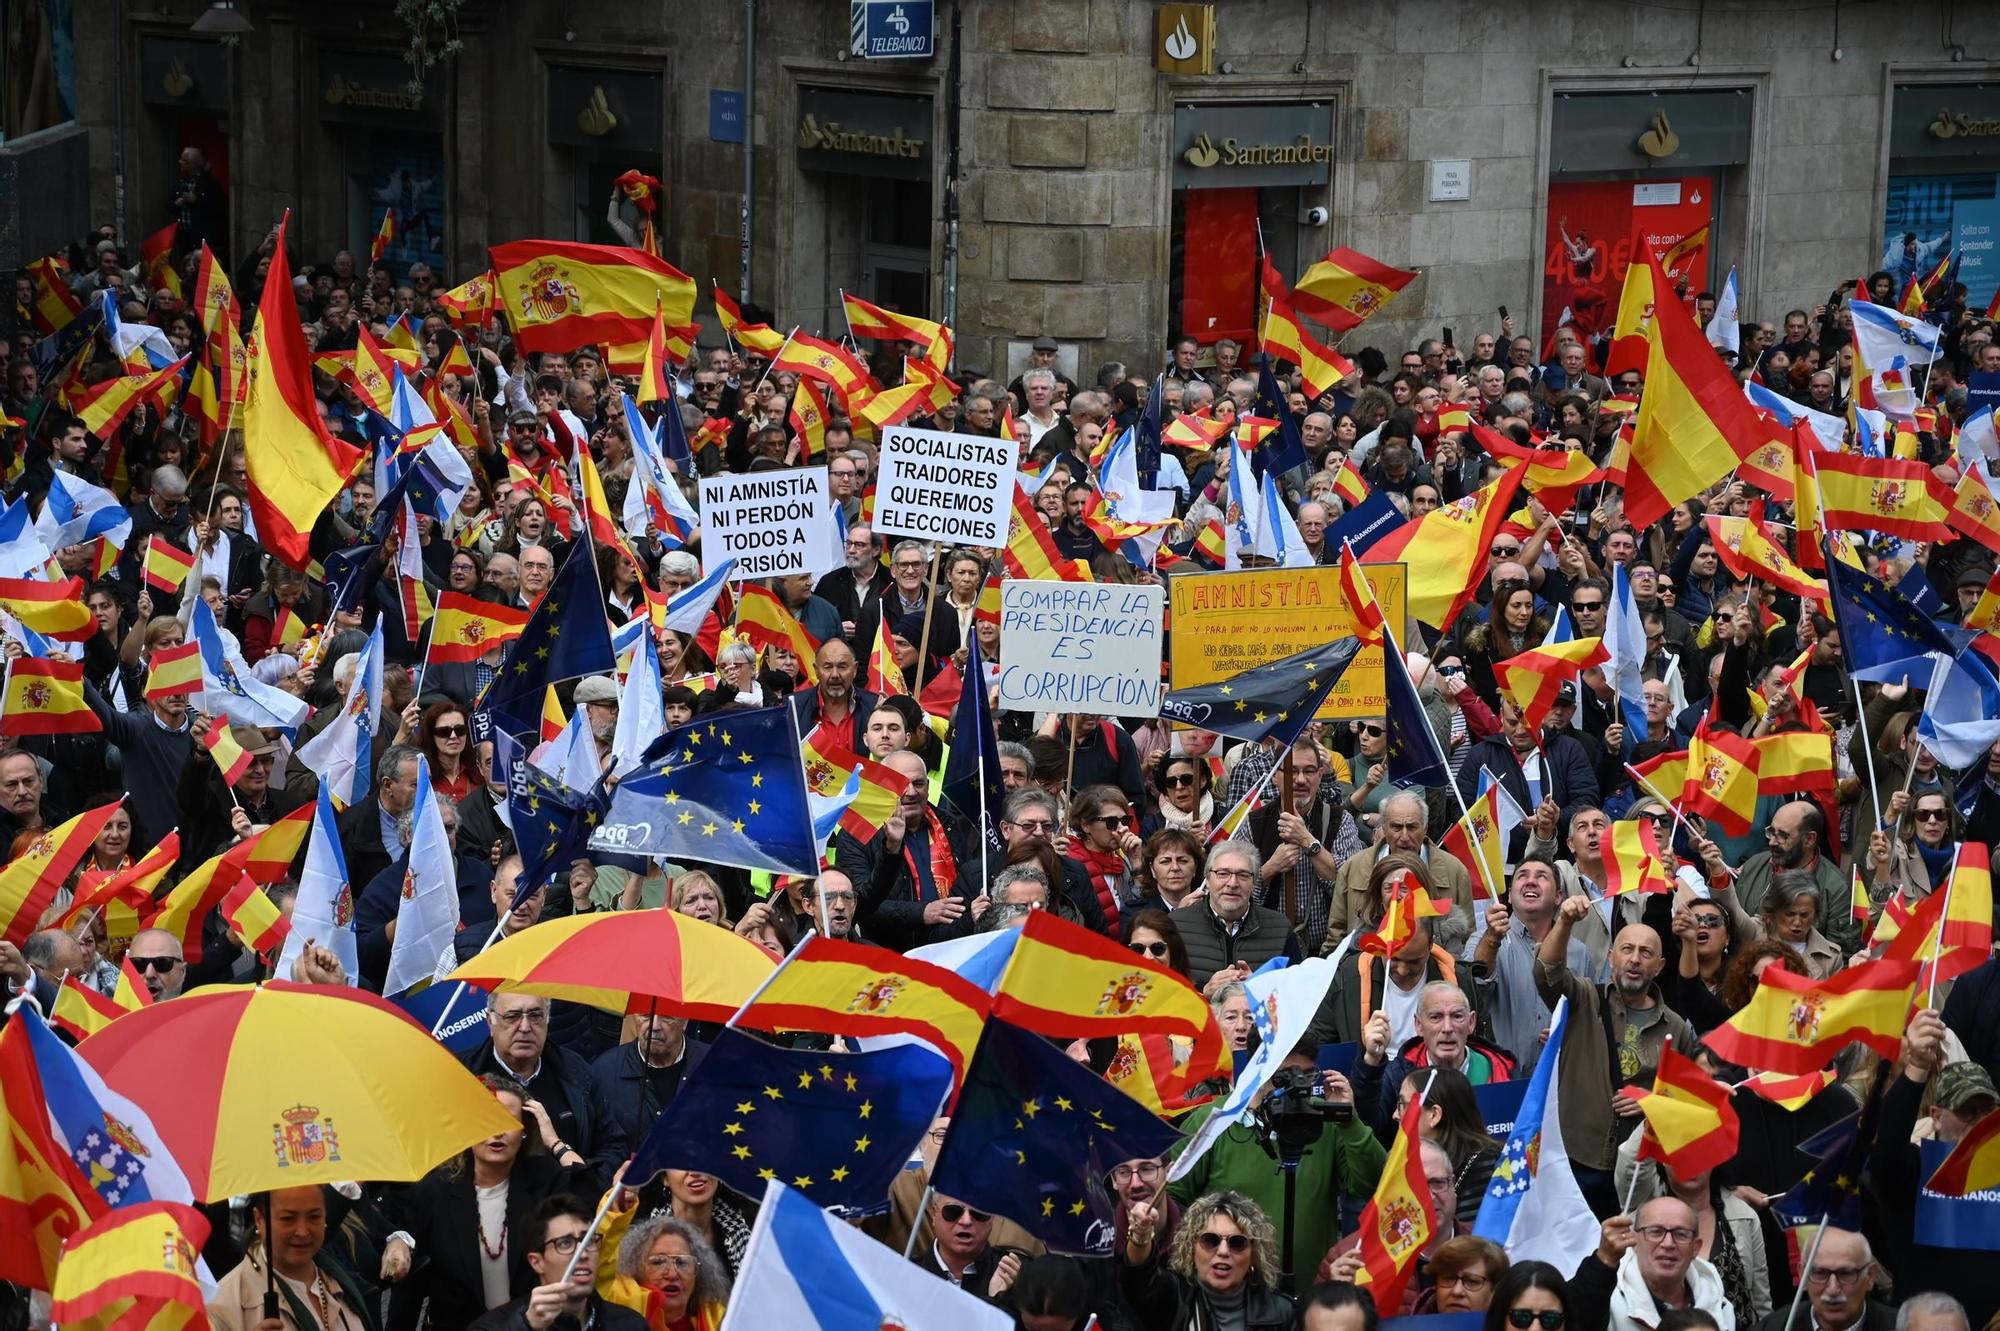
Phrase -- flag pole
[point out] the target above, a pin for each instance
(438, 1026)
(917, 1223)
(610, 1195)
(1944, 913)
(774, 360)
(924, 647)
(758, 992)
(1805, 1269)
(1867, 748)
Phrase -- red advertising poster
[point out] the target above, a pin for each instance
(1594, 229)
(1219, 265)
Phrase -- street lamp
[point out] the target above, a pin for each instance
(222, 19)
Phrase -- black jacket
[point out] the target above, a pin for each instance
(977, 1276)
(1973, 1011)
(563, 1087)
(206, 806)
(1567, 778)
(600, 1316)
(1894, 1172)
(361, 839)
(623, 1103)
(1166, 1301)
(854, 604)
(891, 908)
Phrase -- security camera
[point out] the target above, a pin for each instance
(1317, 217)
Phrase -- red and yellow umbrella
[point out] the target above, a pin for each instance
(630, 961)
(279, 1085)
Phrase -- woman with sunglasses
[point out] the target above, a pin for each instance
(1914, 859)
(1149, 933)
(1706, 932)
(1104, 844)
(1531, 1296)
(444, 737)
(1371, 763)
(1185, 799)
(1221, 1270)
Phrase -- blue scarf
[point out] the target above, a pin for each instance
(1937, 861)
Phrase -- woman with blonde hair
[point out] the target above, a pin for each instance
(696, 894)
(1221, 1270)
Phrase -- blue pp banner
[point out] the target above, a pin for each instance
(1364, 524)
(1339, 1057)
(1436, 1321)
(1955, 1222)
(1982, 390)
(1500, 1105)
(464, 1029)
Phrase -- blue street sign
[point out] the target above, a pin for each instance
(725, 115)
(894, 29)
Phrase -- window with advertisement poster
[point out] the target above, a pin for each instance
(1595, 230)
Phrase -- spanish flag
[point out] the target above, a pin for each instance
(1403, 905)
(1554, 474)
(1399, 1219)
(1788, 1092)
(885, 672)
(1888, 495)
(125, 896)
(825, 361)
(54, 609)
(654, 385)
(46, 698)
(1773, 465)
(1974, 512)
(174, 670)
(755, 339)
(103, 407)
(809, 418)
(470, 304)
(44, 1197)
(560, 295)
(1349, 485)
(231, 758)
(1031, 551)
(1974, 1163)
(465, 628)
(1065, 981)
(296, 466)
(1532, 678)
(1793, 760)
(1359, 593)
(1445, 549)
(83, 1012)
(264, 858)
(1721, 778)
(850, 989)
(866, 320)
(1951, 930)
(1794, 1024)
(1632, 859)
(1690, 1124)
(385, 235)
(1346, 287)
(133, 1270)
(1320, 366)
(828, 764)
(763, 619)
(166, 565)
(221, 376)
(55, 305)
(1479, 840)
(29, 882)
(1199, 432)
(1748, 551)
(1153, 1070)
(1694, 424)
(1628, 326)
(553, 720)
(255, 919)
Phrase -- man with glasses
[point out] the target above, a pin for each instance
(1296, 838)
(1794, 839)
(1838, 1284)
(1032, 812)
(558, 1233)
(518, 1046)
(212, 815)
(632, 1083)
(1228, 935)
(908, 870)
(1645, 1266)
(162, 513)
(855, 589)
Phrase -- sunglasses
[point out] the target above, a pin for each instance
(1931, 815)
(448, 732)
(1114, 821)
(1373, 732)
(953, 1212)
(1504, 551)
(1179, 779)
(1550, 1318)
(1215, 1242)
(1149, 949)
(1581, 606)
(160, 964)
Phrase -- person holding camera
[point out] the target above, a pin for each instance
(1304, 1115)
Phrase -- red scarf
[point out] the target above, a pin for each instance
(944, 870)
(1106, 870)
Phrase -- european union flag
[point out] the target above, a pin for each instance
(1146, 440)
(673, 437)
(567, 636)
(1035, 1136)
(420, 482)
(1882, 634)
(343, 574)
(729, 789)
(1273, 700)
(1415, 756)
(837, 1127)
(1830, 1192)
(552, 824)
(975, 753)
(1287, 449)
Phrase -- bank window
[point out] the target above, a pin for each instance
(404, 172)
(37, 65)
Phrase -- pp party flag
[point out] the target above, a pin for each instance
(82, 1012)
(1721, 781)
(807, 1268)
(836, 1126)
(1479, 838)
(75, 511)
(1346, 287)
(1974, 1162)
(1690, 1124)
(344, 752)
(850, 989)
(55, 609)
(1789, 1092)
(1401, 1217)
(323, 911)
(1880, 630)
(1693, 425)
(559, 295)
(1404, 903)
(1632, 859)
(1795, 1024)
(228, 689)
(1950, 931)
(1888, 495)
(1445, 549)
(134, 1270)
(231, 759)
(1035, 1134)
(44, 1196)
(1748, 551)
(427, 915)
(465, 628)
(46, 698)
(1533, 1206)
(1064, 980)
(385, 234)
(166, 565)
(296, 465)
(1532, 679)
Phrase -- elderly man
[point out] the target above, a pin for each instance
(1838, 1283)
(1228, 935)
(1343, 1261)
(1299, 864)
(963, 1252)
(1312, 530)
(1018, 891)
(160, 961)
(1039, 414)
(827, 904)
(1932, 1312)
(538, 570)
(1443, 1039)
(907, 870)
(1645, 1266)
(39, 965)
(368, 831)
(1032, 812)
(632, 1083)
(213, 815)
(597, 695)
(518, 1046)
(1616, 1032)
(1405, 819)
(1795, 841)
(23, 803)
(855, 589)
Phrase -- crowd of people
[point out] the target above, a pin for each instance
(1116, 823)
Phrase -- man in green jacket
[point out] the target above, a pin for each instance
(1346, 1161)
(1796, 839)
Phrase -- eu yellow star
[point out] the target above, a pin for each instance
(773, 1093)
(726, 741)
(1048, 1207)
(768, 1175)
(851, 1082)
(736, 826)
(867, 1108)
(1020, 1158)
(826, 1071)
(1032, 1108)
(839, 1175)
(673, 797)
(861, 1145)
(745, 758)
(733, 1129)
(694, 736)
(708, 829)
(805, 1081)
(1077, 1208)
(684, 818)
(740, 1152)
(1063, 1104)
(802, 1181)
(747, 1107)
(756, 779)
(756, 806)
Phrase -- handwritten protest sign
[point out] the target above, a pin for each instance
(1226, 623)
(1080, 647)
(955, 488)
(772, 523)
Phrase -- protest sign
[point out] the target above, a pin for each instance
(1500, 1105)
(772, 523)
(953, 488)
(1080, 647)
(1226, 623)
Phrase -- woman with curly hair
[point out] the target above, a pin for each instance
(1222, 1269)
(665, 1270)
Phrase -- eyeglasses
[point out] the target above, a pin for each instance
(1931, 815)
(937, 1136)
(160, 964)
(565, 1244)
(448, 732)
(1179, 779)
(833, 898)
(533, 1016)
(1550, 1318)
(1231, 875)
(1149, 949)
(1036, 826)
(1214, 1242)
(1836, 1275)
(1145, 1169)
(953, 1212)
(1466, 1280)
(1661, 1233)
(1114, 821)
(670, 1261)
